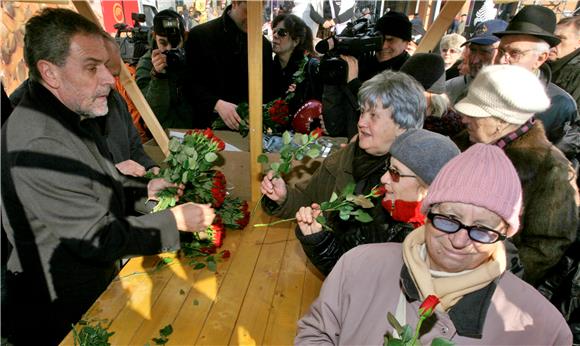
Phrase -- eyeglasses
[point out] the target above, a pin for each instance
(479, 234)
(513, 55)
(281, 32)
(396, 175)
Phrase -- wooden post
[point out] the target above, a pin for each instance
(133, 90)
(440, 26)
(255, 91)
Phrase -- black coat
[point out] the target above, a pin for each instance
(217, 62)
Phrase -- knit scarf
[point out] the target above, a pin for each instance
(405, 211)
(452, 288)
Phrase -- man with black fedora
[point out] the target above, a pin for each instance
(526, 42)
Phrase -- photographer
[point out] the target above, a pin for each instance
(161, 72)
(340, 100)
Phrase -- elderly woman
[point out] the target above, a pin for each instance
(416, 157)
(451, 50)
(391, 103)
(292, 44)
(472, 207)
(499, 109)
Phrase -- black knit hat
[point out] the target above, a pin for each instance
(533, 20)
(428, 69)
(395, 24)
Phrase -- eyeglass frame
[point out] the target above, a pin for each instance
(281, 35)
(431, 216)
(396, 175)
(501, 53)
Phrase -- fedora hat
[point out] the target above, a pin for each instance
(533, 20)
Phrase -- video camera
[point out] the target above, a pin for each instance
(133, 41)
(356, 39)
(175, 58)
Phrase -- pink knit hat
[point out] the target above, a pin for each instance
(483, 176)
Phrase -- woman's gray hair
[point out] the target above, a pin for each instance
(439, 105)
(399, 92)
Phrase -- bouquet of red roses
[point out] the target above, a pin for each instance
(190, 163)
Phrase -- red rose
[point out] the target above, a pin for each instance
(208, 249)
(226, 254)
(218, 190)
(316, 133)
(378, 191)
(428, 305)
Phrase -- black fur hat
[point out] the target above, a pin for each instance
(428, 69)
(395, 24)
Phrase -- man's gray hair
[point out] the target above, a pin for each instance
(48, 36)
(402, 94)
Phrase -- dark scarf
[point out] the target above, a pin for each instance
(512, 136)
(367, 169)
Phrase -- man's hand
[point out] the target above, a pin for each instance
(193, 217)
(227, 111)
(328, 24)
(159, 61)
(274, 188)
(352, 66)
(159, 184)
(306, 218)
(155, 170)
(130, 167)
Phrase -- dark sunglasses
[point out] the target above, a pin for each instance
(396, 175)
(479, 234)
(281, 32)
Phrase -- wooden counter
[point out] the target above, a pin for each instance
(255, 298)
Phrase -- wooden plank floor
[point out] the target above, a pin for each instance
(255, 298)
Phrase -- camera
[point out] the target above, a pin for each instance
(133, 41)
(357, 39)
(175, 58)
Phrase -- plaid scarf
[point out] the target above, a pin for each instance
(512, 136)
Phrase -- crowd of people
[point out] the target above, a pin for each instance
(476, 146)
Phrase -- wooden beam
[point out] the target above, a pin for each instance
(255, 93)
(440, 26)
(84, 8)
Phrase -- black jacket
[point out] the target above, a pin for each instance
(217, 61)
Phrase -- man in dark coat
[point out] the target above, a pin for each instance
(63, 201)
(217, 60)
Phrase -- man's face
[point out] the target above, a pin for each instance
(570, 41)
(239, 14)
(392, 47)
(520, 50)
(114, 63)
(83, 83)
(163, 43)
(480, 56)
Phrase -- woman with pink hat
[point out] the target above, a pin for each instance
(472, 206)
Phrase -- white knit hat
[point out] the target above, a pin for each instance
(507, 92)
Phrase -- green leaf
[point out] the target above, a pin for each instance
(184, 177)
(304, 138)
(166, 331)
(181, 292)
(275, 166)
(394, 322)
(285, 168)
(344, 215)
(210, 157)
(333, 197)
(212, 266)
(362, 201)
(321, 219)
(313, 153)
(395, 342)
(363, 217)
(407, 334)
(286, 138)
(263, 158)
(174, 144)
(299, 156)
(195, 302)
(441, 342)
(324, 205)
(349, 189)
(198, 266)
